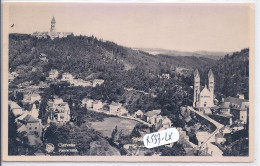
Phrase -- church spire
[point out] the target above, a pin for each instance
(196, 73)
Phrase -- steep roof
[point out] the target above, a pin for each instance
(210, 74)
(237, 102)
(225, 105)
(13, 105)
(53, 20)
(196, 73)
(29, 119)
(205, 91)
(152, 113)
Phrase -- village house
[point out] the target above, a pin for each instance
(166, 122)
(31, 98)
(164, 75)
(219, 138)
(122, 111)
(239, 108)
(29, 124)
(240, 96)
(34, 69)
(225, 108)
(87, 103)
(43, 85)
(150, 116)
(97, 105)
(67, 77)
(12, 76)
(114, 107)
(59, 111)
(43, 57)
(183, 134)
(139, 114)
(80, 82)
(162, 122)
(15, 108)
(53, 74)
(97, 82)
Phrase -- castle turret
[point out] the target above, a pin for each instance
(196, 88)
(53, 28)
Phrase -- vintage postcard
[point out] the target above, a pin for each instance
(135, 82)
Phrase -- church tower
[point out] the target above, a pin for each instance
(196, 88)
(53, 28)
(211, 84)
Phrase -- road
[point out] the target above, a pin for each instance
(125, 117)
(213, 149)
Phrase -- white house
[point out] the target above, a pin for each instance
(53, 74)
(59, 111)
(151, 116)
(166, 122)
(97, 82)
(139, 114)
(219, 138)
(80, 82)
(122, 111)
(12, 76)
(67, 77)
(97, 105)
(43, 57)
(31, 98)
(87, 103)
(114, 107)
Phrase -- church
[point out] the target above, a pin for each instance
(52, 33)
(203, 96)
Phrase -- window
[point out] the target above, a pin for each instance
(30, 128)
(35, 128)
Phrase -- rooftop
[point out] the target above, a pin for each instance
(152, 113)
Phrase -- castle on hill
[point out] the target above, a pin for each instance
(52, 33)
(203, 96)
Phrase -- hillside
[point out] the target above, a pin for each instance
(231, 74)
(83, 56)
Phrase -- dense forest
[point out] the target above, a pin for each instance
(231, 74)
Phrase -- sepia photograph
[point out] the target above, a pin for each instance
(153, 82)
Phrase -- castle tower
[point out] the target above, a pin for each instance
(211, 84)
(196, 88)
(53, 28)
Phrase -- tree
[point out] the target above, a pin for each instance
(12, 134)
(175, 150)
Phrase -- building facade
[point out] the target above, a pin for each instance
(203, 96)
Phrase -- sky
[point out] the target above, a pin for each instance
(183, 27)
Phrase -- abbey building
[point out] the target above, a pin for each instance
(203, 96)
(52, 33)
